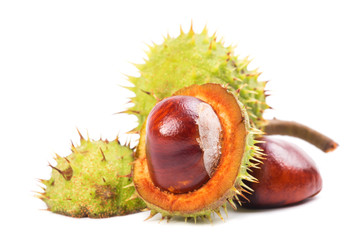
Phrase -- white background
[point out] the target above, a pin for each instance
(61, 64)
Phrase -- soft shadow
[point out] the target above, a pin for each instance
(269, 209)
(240, 212)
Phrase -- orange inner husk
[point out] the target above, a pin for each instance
(221, 186)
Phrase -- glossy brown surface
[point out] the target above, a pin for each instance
(174, 156)
(287, 176)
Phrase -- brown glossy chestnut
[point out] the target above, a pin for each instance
(175, 148)
(288, 175)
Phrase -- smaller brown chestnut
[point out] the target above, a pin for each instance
(288, 175)
(183, 144)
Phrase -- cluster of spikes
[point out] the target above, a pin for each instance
(255, 158)
(204, 218)
(203, 59)
(93, 181)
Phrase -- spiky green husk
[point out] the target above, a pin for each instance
(94, 181)
(193, 58)
(252, 157)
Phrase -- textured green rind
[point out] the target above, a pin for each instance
(195, 59)
(91, 182)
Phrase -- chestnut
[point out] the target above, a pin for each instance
(287, 176)
(183, 144)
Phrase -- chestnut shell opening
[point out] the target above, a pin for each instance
(220, 186)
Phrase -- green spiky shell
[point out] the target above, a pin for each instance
(193, 58)
(93, 181)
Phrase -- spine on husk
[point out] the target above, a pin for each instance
(195, 58)
(93, 181)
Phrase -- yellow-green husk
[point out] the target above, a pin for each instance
(93, 181)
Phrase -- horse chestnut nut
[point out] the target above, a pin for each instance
(183, 143)
(288, 175)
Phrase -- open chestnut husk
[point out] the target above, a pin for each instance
(194, 153)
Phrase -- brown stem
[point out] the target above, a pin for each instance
(294, 129)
